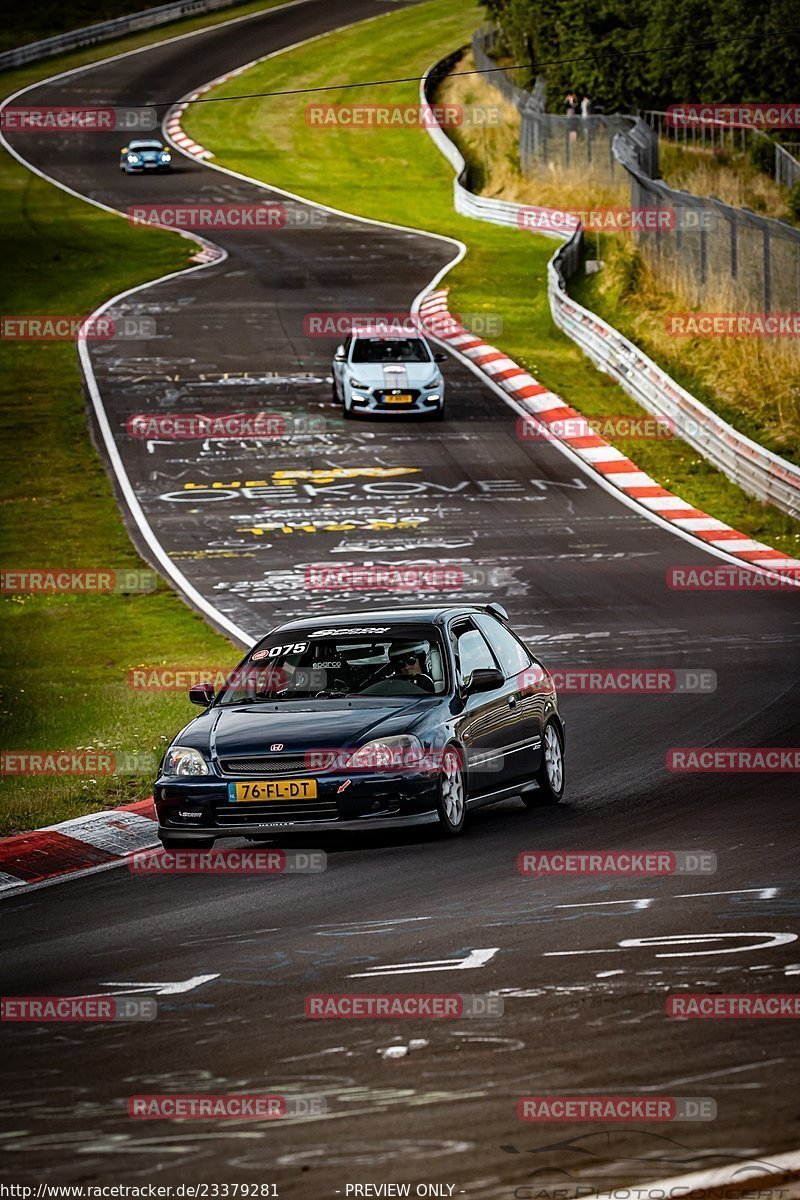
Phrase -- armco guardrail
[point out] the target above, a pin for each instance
(103, 31)
(757, 471)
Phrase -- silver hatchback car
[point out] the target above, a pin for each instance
(388, 374)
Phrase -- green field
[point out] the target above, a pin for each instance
(65, 659)
(398, 175)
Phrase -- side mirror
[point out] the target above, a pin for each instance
(486, 679)
(439, 357)
(201, 693)
(340, 355)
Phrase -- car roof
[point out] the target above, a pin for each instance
(388, 335)
(412, 614)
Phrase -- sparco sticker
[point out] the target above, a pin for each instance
(344, 632)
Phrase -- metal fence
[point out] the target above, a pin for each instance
(713, 252)
(483, 44)
(104, 31)
(758, 472)
(787, 168)
(582, 143)
(719, 136)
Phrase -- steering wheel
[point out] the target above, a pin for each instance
(338, 687)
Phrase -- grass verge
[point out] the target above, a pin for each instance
(753, 383)
(398, 175)
(65, 659)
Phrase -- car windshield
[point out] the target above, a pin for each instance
(145, 146)
(330, 664)
(389, 350)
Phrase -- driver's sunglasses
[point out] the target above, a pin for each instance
(405, 660)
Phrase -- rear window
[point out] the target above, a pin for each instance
(511, 654)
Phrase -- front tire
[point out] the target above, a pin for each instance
(550, 775)
(451, 803)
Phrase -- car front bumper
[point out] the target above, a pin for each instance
(200, 808)
(378, 401)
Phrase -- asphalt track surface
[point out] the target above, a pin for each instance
(583, 577)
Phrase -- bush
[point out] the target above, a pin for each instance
(762, 154)
(794, 202)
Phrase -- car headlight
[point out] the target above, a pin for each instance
(389, 753)
(437, 381)
(356, 383)
(166, 157)
(184, 760)
(133, 158)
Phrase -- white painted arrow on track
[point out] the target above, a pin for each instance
(475, 958)
(157, 989)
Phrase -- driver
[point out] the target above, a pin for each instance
(406, 659)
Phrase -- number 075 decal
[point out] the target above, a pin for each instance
(277, 651)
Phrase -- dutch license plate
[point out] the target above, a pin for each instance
(272, 789)
(403, 398)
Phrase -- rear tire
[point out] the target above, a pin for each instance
(550, 775)
(451, 803)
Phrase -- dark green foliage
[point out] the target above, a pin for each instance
(762, 154)
(794, 202)
(753, 57)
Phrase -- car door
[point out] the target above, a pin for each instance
(525, 696)
(482, 725)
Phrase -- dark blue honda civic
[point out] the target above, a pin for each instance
(405, 716)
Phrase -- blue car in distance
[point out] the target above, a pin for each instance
(365, 720)
(145, 154)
